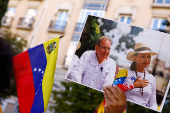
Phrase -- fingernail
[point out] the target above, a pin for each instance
(114, 85)
(109, 85)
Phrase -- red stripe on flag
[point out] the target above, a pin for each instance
(24, 81)
(96, 111)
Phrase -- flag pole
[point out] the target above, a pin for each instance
(61, 36)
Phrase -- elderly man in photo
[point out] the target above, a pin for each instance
(95, 69)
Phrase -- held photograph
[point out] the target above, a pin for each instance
(135, 59)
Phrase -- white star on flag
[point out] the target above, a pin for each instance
(35, 69)
(39, 70)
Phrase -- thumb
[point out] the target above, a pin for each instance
(138, 78)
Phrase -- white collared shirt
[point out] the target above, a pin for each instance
(149, 92)
(89, 72)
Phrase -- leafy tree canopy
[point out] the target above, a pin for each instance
(90, 35)
(76, 98)
(3, 8)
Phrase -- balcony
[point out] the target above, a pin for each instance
(79, 27)
(25, 23)
(6, 21)
(57, 26)
(161, 3)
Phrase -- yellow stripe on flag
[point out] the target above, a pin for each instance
(125, 110)
(48, 78)
(122, 73)
(100, 108)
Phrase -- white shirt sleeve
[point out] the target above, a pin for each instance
(152, 100)
(79, 67)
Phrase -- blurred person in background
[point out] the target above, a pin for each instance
(6, 69)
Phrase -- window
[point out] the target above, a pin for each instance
(76, 37)
(29, 18)
(95, 6)
(83, 17)
(95, 9)
(125, 19)
(7, 19)
(72, 49)
(70, 52)
(162, 1)
(157, 24)
(60, 22)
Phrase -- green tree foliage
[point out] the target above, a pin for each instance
(167, 24)
(134, 108)
(16, 42)
(75, 98)
(107, 26)
(90, 35)
(128, 39)
(3, 8)
(166, 107)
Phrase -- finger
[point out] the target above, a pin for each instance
(109, 94)
(122, 94)
(114, 92)
(105, 97)
(144, 85)
(106, 110)
(107, 102)
(138, 78)
(146, 81)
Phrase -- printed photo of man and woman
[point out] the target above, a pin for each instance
(135, 59)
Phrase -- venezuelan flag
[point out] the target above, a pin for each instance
(34, 75)
(0, 109)
(121, 76)
(100, 108)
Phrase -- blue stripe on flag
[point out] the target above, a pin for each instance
(119, 81)
(38, 63)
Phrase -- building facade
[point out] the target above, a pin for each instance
(41, 20)
(38, 21)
